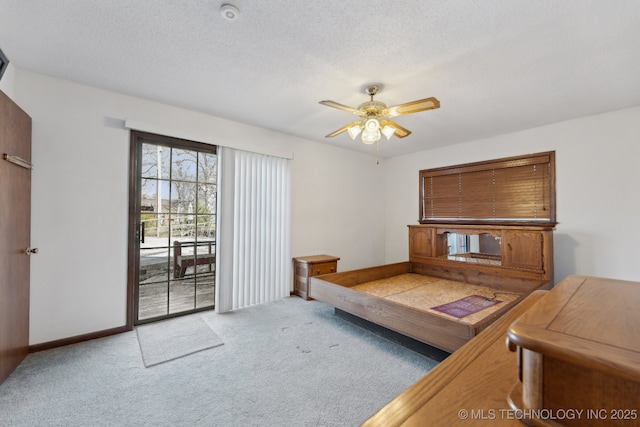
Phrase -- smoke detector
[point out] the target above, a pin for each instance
(229, 12)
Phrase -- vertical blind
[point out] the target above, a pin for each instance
(520, 189)
(254, 249)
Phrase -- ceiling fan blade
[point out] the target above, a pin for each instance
(412, 107)
(399, 131)
(341, 107)
(342, 129)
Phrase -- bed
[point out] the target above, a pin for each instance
(484, 242)
(411, 297)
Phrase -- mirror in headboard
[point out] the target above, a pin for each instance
(483, 248)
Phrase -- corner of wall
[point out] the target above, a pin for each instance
(7, 82)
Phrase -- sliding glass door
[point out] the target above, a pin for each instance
(174, 227)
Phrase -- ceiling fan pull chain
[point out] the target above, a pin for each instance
(377, 152)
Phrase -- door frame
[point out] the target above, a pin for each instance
(133, 260)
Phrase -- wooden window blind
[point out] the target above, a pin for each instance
(510, 190)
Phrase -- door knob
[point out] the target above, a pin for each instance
(31, 250)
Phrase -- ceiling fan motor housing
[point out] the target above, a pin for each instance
(372, 108)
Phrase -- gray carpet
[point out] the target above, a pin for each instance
(171, 339)
(287, 363)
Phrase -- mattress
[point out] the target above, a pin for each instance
(422, 293)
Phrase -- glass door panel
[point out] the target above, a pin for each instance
(206, 228)
(184, 165)
(207, 198)
(155, 161)
(176, 242)
(183, 197)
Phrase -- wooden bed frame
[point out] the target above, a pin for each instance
(485, 229)
(523, 265)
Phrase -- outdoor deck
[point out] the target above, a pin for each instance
(165, 286)
(194, 291)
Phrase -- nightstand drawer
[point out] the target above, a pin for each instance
(324, 268)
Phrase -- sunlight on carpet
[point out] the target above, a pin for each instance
(171, 339)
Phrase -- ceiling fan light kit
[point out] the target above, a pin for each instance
(388, 131)
(375, 115)
(371, 132)
(354, 130)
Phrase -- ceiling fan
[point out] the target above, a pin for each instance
(374, 117)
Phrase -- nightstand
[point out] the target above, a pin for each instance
(308, 266)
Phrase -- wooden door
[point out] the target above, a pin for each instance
(15, 224)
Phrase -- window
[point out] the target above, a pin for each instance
(510, 190)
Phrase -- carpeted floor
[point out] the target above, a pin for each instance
(286, 363)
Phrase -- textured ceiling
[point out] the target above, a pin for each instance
(497, 66)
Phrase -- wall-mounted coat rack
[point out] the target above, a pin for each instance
(18, 161)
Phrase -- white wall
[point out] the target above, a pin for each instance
(598, 213)
(340, 200)
(7, 83)
(80, 198)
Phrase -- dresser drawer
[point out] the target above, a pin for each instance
(324, 268)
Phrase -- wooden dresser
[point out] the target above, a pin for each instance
(572, 359)
(309, 266)
(579, 349)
